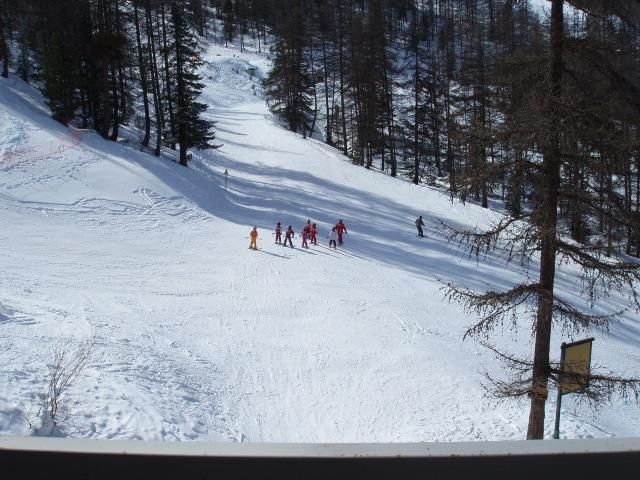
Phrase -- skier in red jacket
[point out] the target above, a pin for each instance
(305, 234)
(314, 233)
(278, 234)
(340, 228)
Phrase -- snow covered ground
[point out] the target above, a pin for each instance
(200, 338)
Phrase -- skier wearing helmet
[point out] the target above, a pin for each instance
(340, 229)
(278, 234)
(288, 235)
(254, 238)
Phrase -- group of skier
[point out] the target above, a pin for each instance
(308, 234)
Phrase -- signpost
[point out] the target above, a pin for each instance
(226, 175)
(575, 366)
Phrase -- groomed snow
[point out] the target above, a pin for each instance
(200, 338)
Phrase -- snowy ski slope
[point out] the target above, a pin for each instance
(200, 338)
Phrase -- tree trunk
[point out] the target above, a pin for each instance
(106, 104)
(165, 51)
(343, 119)
(116, 104)
(180, 96)
(143, 78)
(416, 120)
(450, 154)
(548, 216)
(315, 94)
(389, 110)
(155, 82)
(329, 139)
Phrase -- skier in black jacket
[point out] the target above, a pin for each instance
(420, 224)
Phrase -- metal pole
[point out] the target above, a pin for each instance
(226, 175)
(556, 429)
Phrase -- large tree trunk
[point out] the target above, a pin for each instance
(325, 67)
(106, 100)
(390, 114)
(116, 103)
(181, 110)
(155, 82)
(167, 72)
(343, 120)
(416, 119)
(143, 78)
(547, 218)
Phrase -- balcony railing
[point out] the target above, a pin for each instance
(34, 457)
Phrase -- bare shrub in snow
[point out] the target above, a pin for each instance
(66, 362)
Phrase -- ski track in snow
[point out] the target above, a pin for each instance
(199, 338)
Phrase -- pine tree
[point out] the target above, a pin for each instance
(288, 85)
(228, 21)
(58, 75)
(193, 130)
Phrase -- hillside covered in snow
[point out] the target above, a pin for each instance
(196, 337)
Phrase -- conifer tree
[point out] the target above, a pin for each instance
(59, 79)
(228, 20)
(288, 85)
(193, 130)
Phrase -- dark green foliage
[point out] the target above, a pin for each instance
(23, 67)
(193, 130)
(59, 79)
(289, 85)
(228, 20)
(93, 57)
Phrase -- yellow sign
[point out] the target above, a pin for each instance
(576, 365)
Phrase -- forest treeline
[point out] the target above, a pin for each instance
(448, 92)
(456, 92)
(98, 61)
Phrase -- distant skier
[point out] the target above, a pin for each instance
(305, 234)
(420, 224)
(332, 237)
(314, 234)
(288, 235)
(278, 234)
(340, 229)
(254, 238)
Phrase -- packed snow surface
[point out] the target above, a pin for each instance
(199, 338)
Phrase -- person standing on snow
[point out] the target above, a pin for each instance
(332, 237)
(254, 238)
(314, 233)
(278, 234)
(305, 234)
(288, 235)
(340, 229)
(420, 224)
